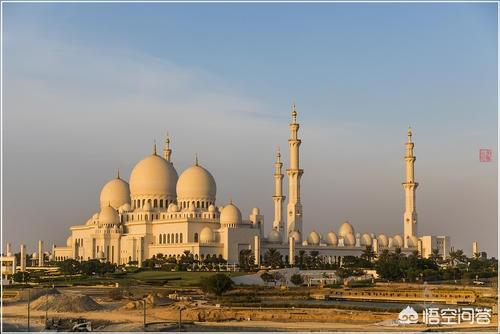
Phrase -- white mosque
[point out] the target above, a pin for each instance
(161, 212)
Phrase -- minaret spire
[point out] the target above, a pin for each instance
(278, 197)
(294, 207)
(410, 186)
(167, 152)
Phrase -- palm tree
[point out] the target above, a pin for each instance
(273, 258)
(457, 256)
(300, 262)
(315, 260)
(246, 259)
(368, 254)
(435, 256)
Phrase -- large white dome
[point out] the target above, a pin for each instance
(383, 241)
(349, 240)
(115, 193)
(331, 239)
(313, 238)
(196, 184)
(274, 236)
(230, 215)
(153, 176)
(397, 241)
(345, 229)
(295, 235)
(108, 216)
(366, 240)
(206, 235)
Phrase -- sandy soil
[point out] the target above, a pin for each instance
(114, 318)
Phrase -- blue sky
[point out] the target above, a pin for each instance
(89, 86)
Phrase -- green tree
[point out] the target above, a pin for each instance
(246, 260)
(69, 267)
(216, 284)
(273, 258)
(457, 256)
(368, 254)
(21, 277)
(297, 279)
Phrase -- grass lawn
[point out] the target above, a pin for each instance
(177, 278)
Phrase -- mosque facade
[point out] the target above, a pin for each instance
(160, 212)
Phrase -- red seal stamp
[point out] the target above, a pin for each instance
(485, 155)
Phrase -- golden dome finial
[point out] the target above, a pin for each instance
(167, 140)
(196, 159)
(118, 173)
(294, 112)
(154, 147)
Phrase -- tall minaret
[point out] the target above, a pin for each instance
(167, 152)
(278, 197)
(410, 186)
(294, 207)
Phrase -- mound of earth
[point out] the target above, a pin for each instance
(65, 303)
(22, 296)
(151, 301)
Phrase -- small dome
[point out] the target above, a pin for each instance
(211, 208)
(153, 176)
(95, 216)
(34, 255)
(397, 241)
(383, 241)
(147, 206)
(172, 207)
(126, 207)
(196, 183)
(349, 240)
(295, 235)
(412, 241)
(108, 216)
(230, 215)
(331, 239)
(345, 229)
(255, 211)
(313, 238)
(366, 240)
(69, 241)
(206, 235)
(115, 193)
(274, 236)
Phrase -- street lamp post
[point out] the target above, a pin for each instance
(29, 304)
(144, 314)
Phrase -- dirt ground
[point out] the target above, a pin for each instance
(210, 317)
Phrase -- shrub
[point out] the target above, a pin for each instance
(216, 284)
(297, 279)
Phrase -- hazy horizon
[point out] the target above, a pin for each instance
(89, 87)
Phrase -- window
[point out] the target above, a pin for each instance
(161, 203)
(155, 203)
(180, 240)
(196, 237)
(177, 238)
(168, 238)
